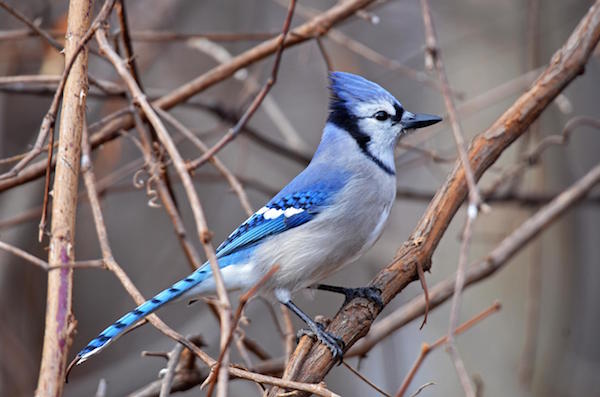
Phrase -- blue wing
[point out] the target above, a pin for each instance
(299, 202)
(277, 216)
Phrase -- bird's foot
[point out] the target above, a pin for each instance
(334, 344)
(372, 294)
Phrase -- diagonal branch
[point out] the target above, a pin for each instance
(34, 28)
(484, 268)
(235, 130)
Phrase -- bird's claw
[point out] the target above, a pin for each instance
(334, 344)
(372, 294)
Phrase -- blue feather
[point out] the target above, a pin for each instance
(163, 297)
(258, 227)
(150, 306)
(349, 90)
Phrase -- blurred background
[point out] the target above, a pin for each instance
(484, 44)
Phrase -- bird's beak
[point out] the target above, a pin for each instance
(419, 120)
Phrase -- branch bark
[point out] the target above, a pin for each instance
(59, 318)
(355, 318)
(484, 268)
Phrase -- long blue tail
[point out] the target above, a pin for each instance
(124, 323)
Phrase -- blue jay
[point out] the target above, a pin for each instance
(325, 218)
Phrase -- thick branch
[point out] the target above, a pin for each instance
(484, 268)
(59, 318)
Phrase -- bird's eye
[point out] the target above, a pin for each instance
(381, 115)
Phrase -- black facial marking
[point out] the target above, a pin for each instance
(399, 111)
(342, 118)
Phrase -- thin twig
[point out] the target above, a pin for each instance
(533, 157)
(363, 50)
(434, 58)
(420, 389)
(24, 255)
(364, 379)
(34, 28)
(455, 308)
(425, 294)
(428, 348)
(235, 130)
(155, 36)
(324, 54)
(233, 181)
(236, 318)
(169, 375)
(94, 263)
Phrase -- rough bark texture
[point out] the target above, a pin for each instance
(59, 318)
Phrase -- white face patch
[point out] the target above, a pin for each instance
(368, 109)
(384, 133)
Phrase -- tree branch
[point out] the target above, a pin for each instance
(59, 318)
(494, 261)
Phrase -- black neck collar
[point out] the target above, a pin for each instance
(342, 118)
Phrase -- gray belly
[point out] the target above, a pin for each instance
(335, 237)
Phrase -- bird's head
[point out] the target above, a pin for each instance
(370, 114)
